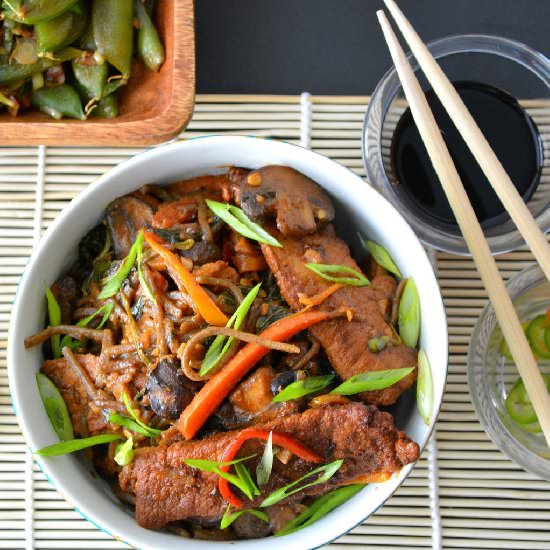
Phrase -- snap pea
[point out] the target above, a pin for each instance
(91, 79)
(54, 34)
(150, 47)
(107, 107)
(112, 24)
(59, 101)
(38, 10)
(86, 40)
(11, 72)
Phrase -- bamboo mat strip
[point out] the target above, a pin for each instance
(463, 484)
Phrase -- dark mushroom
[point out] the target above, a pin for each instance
(168, 390)
(203, 252)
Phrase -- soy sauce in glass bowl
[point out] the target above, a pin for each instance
(506, 85)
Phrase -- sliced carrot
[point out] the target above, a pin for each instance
(183, 277)
(222, 383)
(317, 299)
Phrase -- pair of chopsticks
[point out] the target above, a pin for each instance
(458, 199)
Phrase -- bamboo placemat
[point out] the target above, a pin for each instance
(463, 493)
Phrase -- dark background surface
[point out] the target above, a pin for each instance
(335, 46)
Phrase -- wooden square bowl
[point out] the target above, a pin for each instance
(154, 107)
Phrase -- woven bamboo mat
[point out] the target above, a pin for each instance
(464, 493)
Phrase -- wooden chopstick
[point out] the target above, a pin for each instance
(476, 142)
(471, 230)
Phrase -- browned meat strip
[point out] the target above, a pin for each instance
(297, 203)
(168, 490)
(345, 343)
(125, 216)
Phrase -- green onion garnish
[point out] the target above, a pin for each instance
(105, 310)
(298, 389)
(324, 270)
(383, 258)
(319, 508)
(424, 388)
(139, 259)
(263, 470)
(125, 452)
(54, 319)
(326, 471)
(150, 432)
(73, 445)
(409, 314)
(217, 349)
(55, 406)
(373, 380)
(229, 517)
(129, 424)
(241, 223)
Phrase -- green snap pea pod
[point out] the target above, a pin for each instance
(5, 100)
(39, 10)
(113, 32)
(12, 72)
(86, 40)
(90, 79)
(107, 107)
(61, 31)
(58, 102)
(150, 47)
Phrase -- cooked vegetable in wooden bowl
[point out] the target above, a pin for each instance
(95, 61)
(232, 368)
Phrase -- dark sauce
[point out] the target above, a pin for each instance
(509, 130)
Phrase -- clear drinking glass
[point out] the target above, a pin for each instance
(491, 376)
(493, 60)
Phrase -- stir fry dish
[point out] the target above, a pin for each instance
(68, 58)
(222, 357)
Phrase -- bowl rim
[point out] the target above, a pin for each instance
(306, 538)
(527, 57)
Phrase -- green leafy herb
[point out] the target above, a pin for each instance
(105, 310)
(244, 473)
(150, 432)
(54, 319)
(320, 507)
(383, 258)
(73, 445)
(326, 471)
(112, 286)
(424, 388)
(324, 270)
(237, 479)
(409, 314)
(221, 344)
(125, 452)
(139, 258)
(128, 423)
(274, 313)
(263, 470)
(373, 380)
(241, 223)
(298, 389)
(229, 517)
(55, 406)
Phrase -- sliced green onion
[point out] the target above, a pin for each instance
(370, 381)
(73, 445)
(128, 423)
(54, 319)
(424, 388)
(237, 479)
(229, 517)
(326, 471)
(409, 314)
(217, 349)
(105, 310)
(241, 223)
(244, 473)
(55, 406)
(125, 452)
(263, 470)
(320, 507)
(383, 258)
(139, 259)
(298, 389)
(151, 432)
(112, 286)
(324, 270)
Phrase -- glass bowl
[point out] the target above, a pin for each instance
(492, 60)
(491, 376)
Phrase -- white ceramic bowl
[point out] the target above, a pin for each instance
(359, 208)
